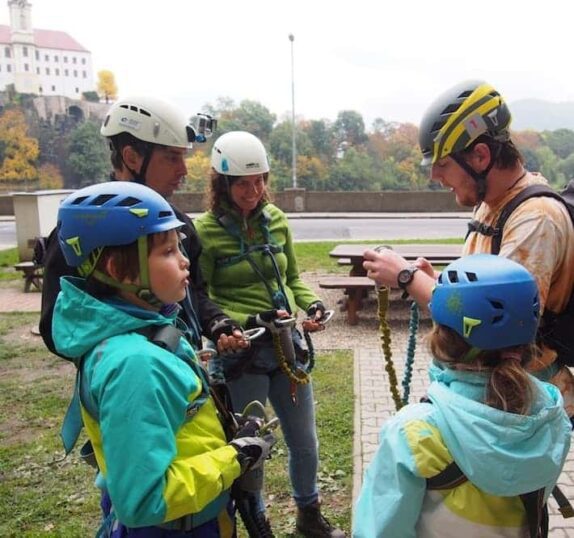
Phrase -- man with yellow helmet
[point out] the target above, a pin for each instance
(465, 139)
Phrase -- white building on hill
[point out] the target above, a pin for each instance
(42, 62)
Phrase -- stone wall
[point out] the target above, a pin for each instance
(301, 201)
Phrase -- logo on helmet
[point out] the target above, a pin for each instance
(130, 123)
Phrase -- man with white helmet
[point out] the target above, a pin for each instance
(149, 140)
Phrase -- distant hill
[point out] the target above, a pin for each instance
(540, 115)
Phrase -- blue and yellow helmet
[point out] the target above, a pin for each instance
(108, 214)
(490, 301)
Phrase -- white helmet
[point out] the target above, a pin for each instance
(239, 153)
(150, 120)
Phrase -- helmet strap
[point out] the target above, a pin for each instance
(143, 290)
(471, 354)
(138, 176)
(479, 177)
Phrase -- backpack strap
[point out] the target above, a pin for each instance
(536, 510)
(532, 191)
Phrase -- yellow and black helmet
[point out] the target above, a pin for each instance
(459, 116)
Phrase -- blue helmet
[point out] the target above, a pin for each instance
(490, 301)
(109, 214)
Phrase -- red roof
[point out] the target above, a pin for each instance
(46, 39)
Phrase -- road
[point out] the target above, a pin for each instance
(323, 229)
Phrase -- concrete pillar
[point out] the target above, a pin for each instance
(36, 215)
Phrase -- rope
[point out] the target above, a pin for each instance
(411, 347)
(297, 375)
(383, 297)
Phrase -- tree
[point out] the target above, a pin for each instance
(19, 151)
(107, 87)
(250, 116)
(87, 156)
(281, 143)
(198, 169)
(349, 129)
(50, 177)
(92, 97)
(561, 141)
(353, 172)
(321, 137)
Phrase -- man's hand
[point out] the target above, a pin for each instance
(228, 336)
(383, 265)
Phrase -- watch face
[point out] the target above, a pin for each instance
(405, 276)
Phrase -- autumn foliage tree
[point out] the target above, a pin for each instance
(107, 87)
(18, 151)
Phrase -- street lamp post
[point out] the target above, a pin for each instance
(293, 129)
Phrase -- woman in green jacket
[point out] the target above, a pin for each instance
(249, 264)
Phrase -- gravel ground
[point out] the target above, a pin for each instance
(341, 335)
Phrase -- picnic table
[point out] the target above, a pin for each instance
(437, 254)
(357, 285)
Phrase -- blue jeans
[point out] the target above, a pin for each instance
(297, 420)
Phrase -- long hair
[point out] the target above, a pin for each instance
(218, 191)
(508, 388)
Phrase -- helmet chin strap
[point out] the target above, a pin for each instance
(143, 290)
(479, 177)
(138, 176)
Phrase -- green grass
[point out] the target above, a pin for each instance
(43, 494)
(7, 260)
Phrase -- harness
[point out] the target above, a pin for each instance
(278, 296)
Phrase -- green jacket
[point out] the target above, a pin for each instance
(236, 287)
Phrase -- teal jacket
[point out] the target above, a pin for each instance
(235, 287)
(161, 456)
(502, 454)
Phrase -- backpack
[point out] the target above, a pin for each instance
(555, 329)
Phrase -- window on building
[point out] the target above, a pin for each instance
(47, 70)
(47, 58)
(57, 72)
(75, 73)
(37, 70)
(77, 90)
(53, 88)
(37, 55)
(66, 72)
(74, 60)
(55, 58)
(84, 74)
(65, 59)
(7, 52)
(83, 61)
(25, 52)
(9, 68)
(26, 67)
(41, 89)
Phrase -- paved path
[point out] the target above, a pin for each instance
(373, 402)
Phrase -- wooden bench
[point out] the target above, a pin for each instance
(33, 275)
(356, 287)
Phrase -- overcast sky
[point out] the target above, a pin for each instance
(381, 58)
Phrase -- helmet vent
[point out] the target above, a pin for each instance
(465, 94)
(164, 214)
(102, 199)
(471, 277)
(145, 113)
(453, 276)
(450, 109)
(437, 126)
(496, 304)
(497, 319)
(79, 200)
(129, 201)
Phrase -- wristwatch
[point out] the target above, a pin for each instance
(405, 277)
